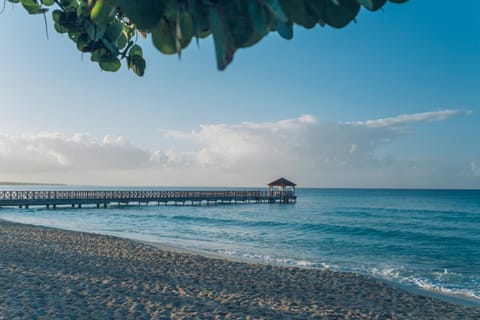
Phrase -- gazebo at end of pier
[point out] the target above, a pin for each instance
(283, 185)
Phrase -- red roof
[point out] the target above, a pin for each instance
(282, 182)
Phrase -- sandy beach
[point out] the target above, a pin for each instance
(54, 274)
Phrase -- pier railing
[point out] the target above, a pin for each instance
(54, 195)
(25, 198)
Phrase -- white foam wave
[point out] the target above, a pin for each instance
(427, 285)
(445, 279)
(274, 260)
(386, 272)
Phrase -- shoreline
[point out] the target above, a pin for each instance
(458, 299)
(49, 272)
(449, 298)
(102, 276)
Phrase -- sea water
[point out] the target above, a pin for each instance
(427, 239)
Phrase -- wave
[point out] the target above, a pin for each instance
(446, 282)
(388, 233)
(437, 283)
(426, 285)
(232, 222)
(274, 260)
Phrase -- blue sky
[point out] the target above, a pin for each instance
(298, 108)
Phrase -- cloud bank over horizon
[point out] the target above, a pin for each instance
(304, 149)
(411, 118)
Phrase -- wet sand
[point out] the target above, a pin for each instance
(54, 274)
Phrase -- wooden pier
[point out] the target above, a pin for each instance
(52, 199)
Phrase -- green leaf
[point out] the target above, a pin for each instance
(163, 37)
(102, 11)
(340, 14)
(69, 4)
(95, 32)
(242, 28)
(84, 43)
(137, 64)
(201, 22)
(111, 65)
(143, 13)
(30, 2)
(57, 15)
(75, 33)
(109, 46)
(261, 20)
(298, 12)
(33, 7)
(121, 42)
(283, 26)
(136, 50)
(99, 55)
(48, 3)
(372, 5)
(90, 29)
(59, 28)
(224, 48)
(113, 31)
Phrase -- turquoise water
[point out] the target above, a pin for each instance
(427, 239)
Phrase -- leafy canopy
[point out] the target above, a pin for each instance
(107, 29)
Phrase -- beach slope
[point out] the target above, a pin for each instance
(53, 274)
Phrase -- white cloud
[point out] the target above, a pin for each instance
(410, 118)
(52, 151)
(276, 146)
(250, 153)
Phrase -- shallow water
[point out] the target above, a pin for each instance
(426, 239)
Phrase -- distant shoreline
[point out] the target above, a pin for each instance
(9, 183)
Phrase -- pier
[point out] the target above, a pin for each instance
(279, 191)
(76, 199)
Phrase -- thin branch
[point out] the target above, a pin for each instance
(60, 5)
(46, 25)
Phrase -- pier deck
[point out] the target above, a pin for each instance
(52, 199)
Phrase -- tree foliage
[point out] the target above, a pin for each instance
(108, 29)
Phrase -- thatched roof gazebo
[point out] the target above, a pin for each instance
(283, 185)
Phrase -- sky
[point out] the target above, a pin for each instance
(391, 101)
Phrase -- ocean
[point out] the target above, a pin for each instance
(418, 239)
